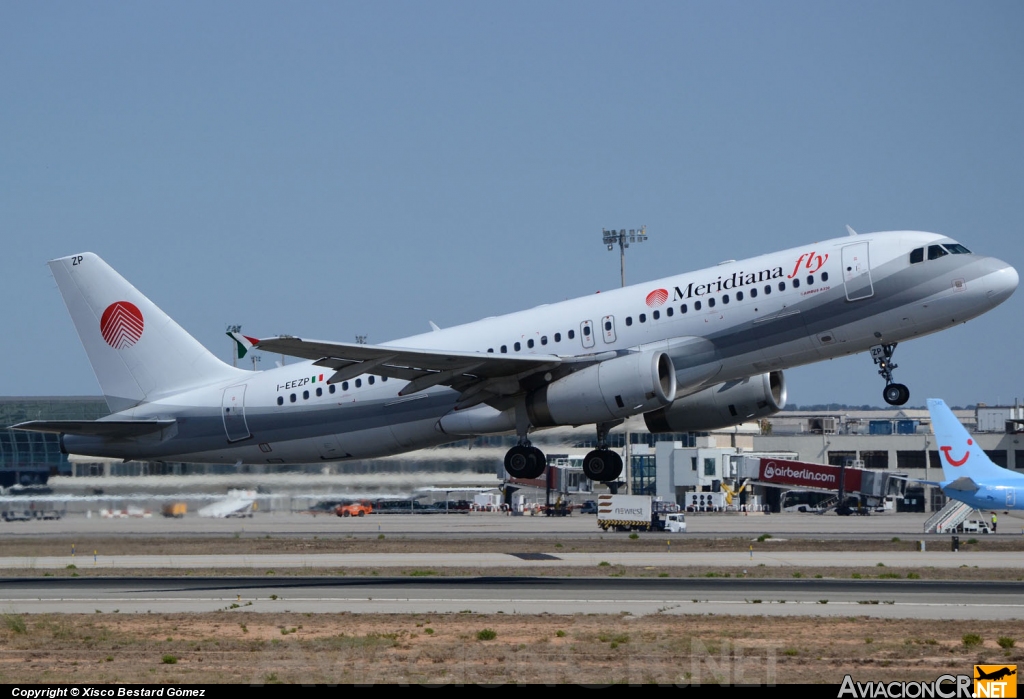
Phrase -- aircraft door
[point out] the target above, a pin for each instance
(1011, 498)
(608, 326)
(857, 272)
(233, 409)
(587, 333)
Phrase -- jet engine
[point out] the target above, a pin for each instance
(616, 388)
(724, 405)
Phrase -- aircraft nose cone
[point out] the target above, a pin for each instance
(1002, 281)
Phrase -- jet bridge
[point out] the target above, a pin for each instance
(871, 486)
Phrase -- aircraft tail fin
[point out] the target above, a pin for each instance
(959, 453)
(136, 350)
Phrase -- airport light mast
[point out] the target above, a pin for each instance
(610, 238)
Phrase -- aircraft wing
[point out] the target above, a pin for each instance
(114, 429)
(478, 375)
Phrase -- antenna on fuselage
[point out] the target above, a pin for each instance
(852, 232)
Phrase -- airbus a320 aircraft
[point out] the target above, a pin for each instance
(696, 351)
(968, 474)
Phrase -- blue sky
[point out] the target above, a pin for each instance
(333, 169)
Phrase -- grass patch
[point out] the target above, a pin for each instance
(1006, 643)
(169, 660)
(14, 623)
(970, 640)
(486, 635)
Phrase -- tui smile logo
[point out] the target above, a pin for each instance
(657, 297)
(121, 324)
(956, 462)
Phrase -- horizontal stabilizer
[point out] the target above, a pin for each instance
(964, 484)
(113, 429)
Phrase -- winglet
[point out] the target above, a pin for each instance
(244, 342)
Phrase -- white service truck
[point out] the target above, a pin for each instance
(638, 513)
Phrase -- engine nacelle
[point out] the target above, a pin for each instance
(614, 389)
(727, 404)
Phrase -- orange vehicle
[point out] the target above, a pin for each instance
(353, 509)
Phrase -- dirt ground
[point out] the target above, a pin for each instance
(247, 648)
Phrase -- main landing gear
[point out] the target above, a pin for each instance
(524, 460)
(894, 393)
(602, 464)
(527, 461)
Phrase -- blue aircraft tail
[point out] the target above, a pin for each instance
(960, 455)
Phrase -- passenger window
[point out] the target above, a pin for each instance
(344, 385)
(796, 283)
(629, 320)
(935, 252)
(517, 347)
(669, 311)
(682, 309)
(383, 378)
(643, 318)
(490, 350)
(543, 339)
(330, 389)
(767, 289)
(739, 295)
(607, 325)
(571, 334)
(656, 315)
(319, 391)
(291, 398)
(782, 286)
(504, 349)
(369, 379)
(696, 305)
(725, 298)
(359, 383)
(280, 400)
(824, 276)
(586, 331)
(558, 337)
(305, 395)
(529, 343)
(753, 293)
(810, 280)
(711, 302)
(916, 256)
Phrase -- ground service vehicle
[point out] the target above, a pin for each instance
(353, 509)
(635, 513)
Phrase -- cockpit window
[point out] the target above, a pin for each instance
(917, 256)
(935, 252)
(956, 248)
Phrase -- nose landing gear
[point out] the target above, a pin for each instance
(894, 393)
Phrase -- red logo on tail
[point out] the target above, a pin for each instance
(121, 324)
(956, 462)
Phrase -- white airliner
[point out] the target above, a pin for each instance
(692, 352)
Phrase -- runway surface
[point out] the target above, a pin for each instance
(515, 595)
(485, 525)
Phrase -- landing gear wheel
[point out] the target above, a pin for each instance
(896, 394)
(602, 465)
(524, 462)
